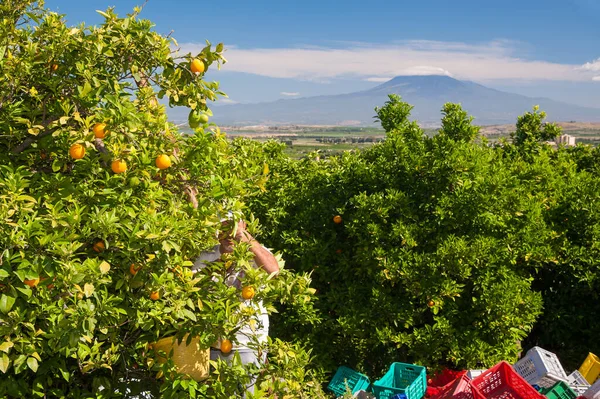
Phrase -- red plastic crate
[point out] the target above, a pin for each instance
(503, 382)
(444, 377)
(460, 388)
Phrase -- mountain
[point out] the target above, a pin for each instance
(426, 93)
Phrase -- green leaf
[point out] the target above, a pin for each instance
(6, 303)
(4, 363)
(56, 165)
(4, 273)
(25, 291)
(32, 363)
(5, 347)
(189, 314)
(86, 89)
(65, 374)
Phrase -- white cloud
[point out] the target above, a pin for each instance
(289, 94)
(227, 101)
(480, 62)
(596, 78)
(425, 70)
(592, 66)
(379, 79)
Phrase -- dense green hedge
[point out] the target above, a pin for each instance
(451, 250)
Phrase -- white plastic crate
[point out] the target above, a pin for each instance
(363, 395)
(594, 391)
(540, 367)
(474, 373)
(578, 383)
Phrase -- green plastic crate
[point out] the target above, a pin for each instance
(408, 379)
(560, 390)
(346, 377)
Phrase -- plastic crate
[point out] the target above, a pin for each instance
(346, 377)
(444, 377)
(560, 390)
(474, 373)
(578, 383)
(362, 394)
(593, 392)
(590, 368)
(408, 379)
(540, 367)
(503, 382)
(461, 388)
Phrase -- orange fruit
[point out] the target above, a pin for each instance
(248, 292)
(53, 67)
(154, 295)
(133, 269)
(197, 66)
(99, 246)
(118, 166)
(32, 283)
(337, 219)
(163, 161)
(77, 151)
(338, 251)
(99, 130)
(226, 346)
(431, 304)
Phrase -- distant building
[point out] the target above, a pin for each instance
(565, 139)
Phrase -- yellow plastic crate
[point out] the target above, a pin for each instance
(590, 368)
(190, 359)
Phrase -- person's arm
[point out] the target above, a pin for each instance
(262, 256)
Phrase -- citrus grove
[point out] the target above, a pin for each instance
(104, 207)
(444, 251)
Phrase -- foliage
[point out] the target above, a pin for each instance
(531, 129)
(85, 251)
(447, 248)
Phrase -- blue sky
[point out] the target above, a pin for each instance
(285, 49)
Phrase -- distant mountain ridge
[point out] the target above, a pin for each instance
(426, 93)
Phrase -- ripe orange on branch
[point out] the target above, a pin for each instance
(77, 151)
(337, 219)
(32, 282)
(197, 66)
(133, 269)
(248, 292)
(118, 166)
(154, 295)
(99, 130)
(163, 161)
(99, 246)
(226, 346)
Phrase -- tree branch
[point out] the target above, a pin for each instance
(191, 193)
(30, 140)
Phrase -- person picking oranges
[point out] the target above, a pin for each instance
(231, 233)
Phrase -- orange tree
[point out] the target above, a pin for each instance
(104, 206)
(446, 246)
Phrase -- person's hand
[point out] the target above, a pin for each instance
(241, 234)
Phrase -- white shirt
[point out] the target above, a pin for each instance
(234, 279)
